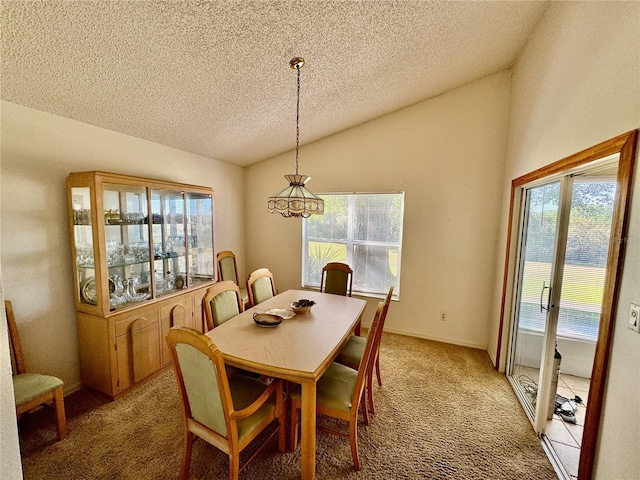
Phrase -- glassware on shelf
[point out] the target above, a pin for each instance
(115, 253)
(84, 255)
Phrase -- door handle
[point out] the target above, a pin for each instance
(544, 287)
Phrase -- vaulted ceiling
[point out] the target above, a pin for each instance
(213, 77)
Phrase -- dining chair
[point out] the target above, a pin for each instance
(228, 270)
(33, 389)
(260, 286)
(339, 393)
(353, 351)
(226, 411)
(337, 278)
(221, 302)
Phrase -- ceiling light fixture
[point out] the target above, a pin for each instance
(295, 200)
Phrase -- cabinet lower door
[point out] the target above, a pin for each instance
(138, 352)
(179, 313)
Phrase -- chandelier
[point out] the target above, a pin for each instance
(295, 200)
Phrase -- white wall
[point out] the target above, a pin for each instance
(446, 153)
(576, 84)
(39, 150)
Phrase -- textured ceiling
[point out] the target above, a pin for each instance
(213, 77)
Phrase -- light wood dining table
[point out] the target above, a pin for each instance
(300, 349)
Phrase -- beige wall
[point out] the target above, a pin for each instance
(576, 84)
(446, 154)
(38, 151)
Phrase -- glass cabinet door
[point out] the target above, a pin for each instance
(200, 237)
(169, 242)
(83, 241)
(126, 244)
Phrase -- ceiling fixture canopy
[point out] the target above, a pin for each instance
(295, 200)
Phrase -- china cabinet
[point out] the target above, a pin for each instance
(142, 253)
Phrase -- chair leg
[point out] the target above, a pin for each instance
(186, 455)
(234, 465)
(282, 420)
(363, 406)
(353, 440)
(293, 432)
(369, 392)
(58, 405)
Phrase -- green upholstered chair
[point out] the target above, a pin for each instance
(227, 412)
(339, 393)
(221, 302)
(337, 278)
(353, 351)
(228, 270)
(33, 389)
(260, 286)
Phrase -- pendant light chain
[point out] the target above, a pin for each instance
(297, 118)
(296, 201)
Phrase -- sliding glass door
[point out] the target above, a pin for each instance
(539, 233)
(564, 240)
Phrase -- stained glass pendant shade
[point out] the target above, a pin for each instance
(295, 200)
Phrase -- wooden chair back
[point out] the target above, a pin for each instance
(367, 360)
(15, 349)
(337, 278)
(221, 302)
(378, 340)
(227, 267)
(260, 286)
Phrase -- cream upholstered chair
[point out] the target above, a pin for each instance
(33, 389)
(227, 412)
(337, 278)
(351, 355)
(339, 392)
(260, 286)
(228, 270)
(221, 302)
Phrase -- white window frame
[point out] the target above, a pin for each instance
(350, 241)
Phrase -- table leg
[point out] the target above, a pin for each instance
(308, 431)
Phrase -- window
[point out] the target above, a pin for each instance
(363, 230)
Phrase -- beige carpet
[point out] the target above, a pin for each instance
(442, 413)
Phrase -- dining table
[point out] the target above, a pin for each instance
(299, 349)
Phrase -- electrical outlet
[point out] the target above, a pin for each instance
(443, 316)
(634, 317)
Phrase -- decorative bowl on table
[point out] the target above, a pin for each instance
(267, 319)
(302, 306)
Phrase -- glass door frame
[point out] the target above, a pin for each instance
(565, 181)
(626, 146)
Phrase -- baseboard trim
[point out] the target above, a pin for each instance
(68, 390)
(437, 339)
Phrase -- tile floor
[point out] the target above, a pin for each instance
(565, 437)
